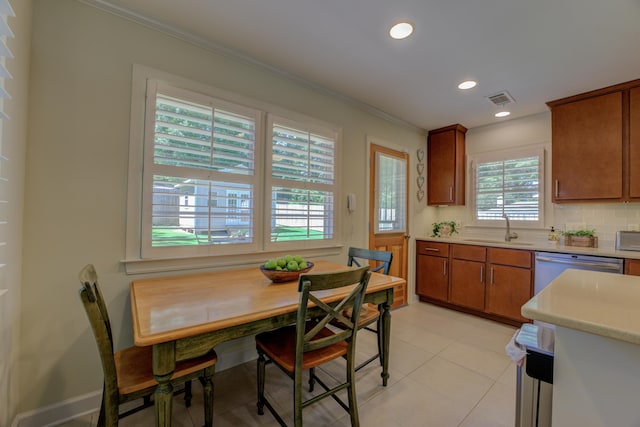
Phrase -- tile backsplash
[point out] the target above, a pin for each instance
(605, 218)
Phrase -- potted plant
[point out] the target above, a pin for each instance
(444, 228)
(582, 238)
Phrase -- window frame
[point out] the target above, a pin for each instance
(504, 155)
(136, 261)
(270, 182)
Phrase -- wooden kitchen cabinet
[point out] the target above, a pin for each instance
(485, 281)
(432, 270)
(632, 267)
(468, 276)
(446, 166)
(509, 282)
(634, 143)
(595, 145)
(586, 149)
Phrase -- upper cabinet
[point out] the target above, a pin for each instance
(446, 166)
(595, 145)
(634, 143)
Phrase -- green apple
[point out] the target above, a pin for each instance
(270, 264)
(281, 262)
(292, 266)
(302, 265)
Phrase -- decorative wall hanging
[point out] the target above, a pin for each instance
(420, 180)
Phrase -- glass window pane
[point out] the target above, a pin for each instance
(391, 194)
(196, 212)
(301, 214)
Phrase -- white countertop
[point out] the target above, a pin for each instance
(604, 304)
(605, 251)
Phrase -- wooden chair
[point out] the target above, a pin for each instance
(309, 343)
(370, 313)
(128, 373)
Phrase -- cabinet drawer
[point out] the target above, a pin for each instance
(514, 257)
(468, 252)
(432, 248)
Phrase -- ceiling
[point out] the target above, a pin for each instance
(537, 50)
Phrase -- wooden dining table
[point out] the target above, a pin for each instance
(185, 316)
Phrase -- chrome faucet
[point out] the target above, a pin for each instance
(509, 235)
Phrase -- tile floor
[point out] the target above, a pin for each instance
(447, 369)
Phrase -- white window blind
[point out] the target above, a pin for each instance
(5, 32)
(509, 184)
(302, 181)
(203, 171)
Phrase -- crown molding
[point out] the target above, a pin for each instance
(216, 48)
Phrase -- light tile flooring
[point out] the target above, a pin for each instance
(447, 369)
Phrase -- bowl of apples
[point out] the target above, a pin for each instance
(285, 269)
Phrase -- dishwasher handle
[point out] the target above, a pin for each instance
(598, 265)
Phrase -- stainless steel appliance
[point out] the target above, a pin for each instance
(549, 265)
(628, 240)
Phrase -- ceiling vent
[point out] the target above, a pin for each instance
(501, 98)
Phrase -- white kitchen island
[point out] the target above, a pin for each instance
(597, 347)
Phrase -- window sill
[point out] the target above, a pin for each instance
(144, 266)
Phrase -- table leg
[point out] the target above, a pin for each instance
(164, 363)
(386, 335)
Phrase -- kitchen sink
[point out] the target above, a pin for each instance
(495, 241)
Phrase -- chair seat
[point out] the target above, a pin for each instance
(280, 346)
(369, 313)
(134, 368)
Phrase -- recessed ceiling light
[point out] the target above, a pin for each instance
(401, 30)
(502, 113)
(467, 84)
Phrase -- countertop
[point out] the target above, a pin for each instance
(604, 304)
(546, 246)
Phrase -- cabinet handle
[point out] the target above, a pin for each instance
(444, 269)
(450, 193)
(481, 273)
(557, 188)
(431, 249)
(491, 277)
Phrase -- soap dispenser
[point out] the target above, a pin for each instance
(552, 235)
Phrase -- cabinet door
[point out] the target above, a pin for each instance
(432, 277)
(445, 166)
(467, 283)
(587, 150)
(508, 289)
(632, 267)
(634, 143)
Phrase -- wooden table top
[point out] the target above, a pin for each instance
(170, 308)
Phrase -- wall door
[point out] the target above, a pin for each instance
(388, 210)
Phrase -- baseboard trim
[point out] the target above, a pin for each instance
(60, 412)
(79, 406)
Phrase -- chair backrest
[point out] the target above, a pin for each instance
(384, 257)
(322, 314)
(99, 319)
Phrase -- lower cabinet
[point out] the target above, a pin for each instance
(632, 267)
(487, 281)
(432, 270)
(510, 283)
(468, 276)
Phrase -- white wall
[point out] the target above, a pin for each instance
(77, 175)
(13, 140)
(605, 218)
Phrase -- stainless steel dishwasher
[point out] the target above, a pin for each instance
(549, 265)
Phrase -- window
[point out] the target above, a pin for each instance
(302, 181)
(508, 183)
(204, 190)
